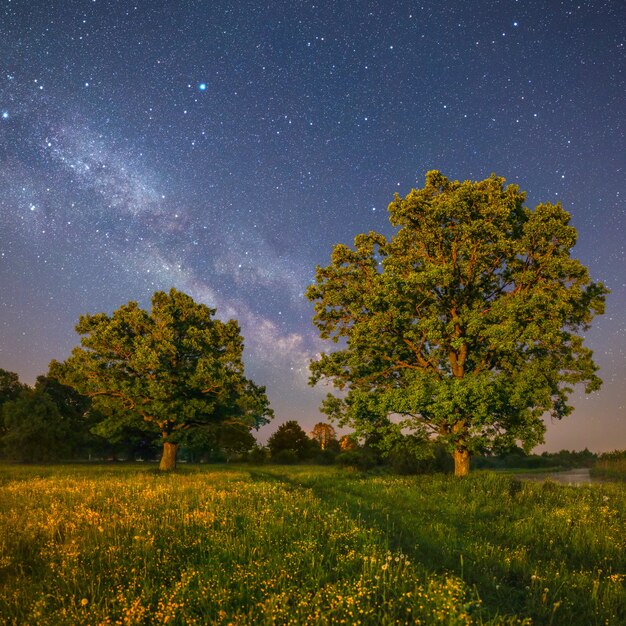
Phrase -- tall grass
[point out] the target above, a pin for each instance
(305, 546)
(611, 465)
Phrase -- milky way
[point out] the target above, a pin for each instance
(224, 148)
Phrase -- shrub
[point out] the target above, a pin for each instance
(326, 457)
(258, 455)
(285, 457)
(362, 459)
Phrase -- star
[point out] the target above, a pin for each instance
(287, 138)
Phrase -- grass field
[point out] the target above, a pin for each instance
(304, 545)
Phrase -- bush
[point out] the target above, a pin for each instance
(513, 461)
(362, 459)
(611, 465)
(285, 457)
(290, 436)
(404, 461)
(258, 455)
(326, 457)
(407, 460)
(35, 429)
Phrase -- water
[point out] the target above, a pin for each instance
(579, 476)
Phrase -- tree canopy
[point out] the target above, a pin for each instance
(10, 386)
(35, 429)
(289, 443)
(464, 325)
(324, 434)
(168, 370)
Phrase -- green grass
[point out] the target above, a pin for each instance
(304, 545)
(610, 468)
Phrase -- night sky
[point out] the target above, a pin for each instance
(223, 148)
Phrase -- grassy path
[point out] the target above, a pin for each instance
(539, 550)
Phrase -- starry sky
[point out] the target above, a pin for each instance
(223, 148)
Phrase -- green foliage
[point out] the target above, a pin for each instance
(165, 371)
(77, 412)
(611, 465)
(465, 325)
(229, 440)
(258, 455)
(289, 437)
(514, 461)
(235, 439)
(324, 434)
(10, 389)
(411, 456)
(361, 458)
(10, 386)
(327, 456)
(518, 459)
(53, 422)
(35, 429)
(286, 456)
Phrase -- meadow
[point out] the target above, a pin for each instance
(305, 545)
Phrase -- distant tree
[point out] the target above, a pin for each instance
(120, 435)
(10, 389)
(411, 455)
(289, 436)
(10, 386)
(235, 439)
(169, 370)
(222, 441)
(76, 412)
(34, 428)
(324, 434)
(258, 455)
(348, 442)
(466, 324)
(69, 402)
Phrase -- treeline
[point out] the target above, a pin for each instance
(52, 422)
(518, 459)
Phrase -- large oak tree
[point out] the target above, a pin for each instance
(465, 324)
(171, 369)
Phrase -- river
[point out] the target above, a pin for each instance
(579, 476)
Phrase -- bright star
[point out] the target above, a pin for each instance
(5, 115)
(202, 86)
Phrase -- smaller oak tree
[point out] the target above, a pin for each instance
(173, 369)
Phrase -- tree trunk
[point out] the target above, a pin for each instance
(461, 462)
(168, 460)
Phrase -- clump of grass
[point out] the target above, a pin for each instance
(611, 465)
(304, 546)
